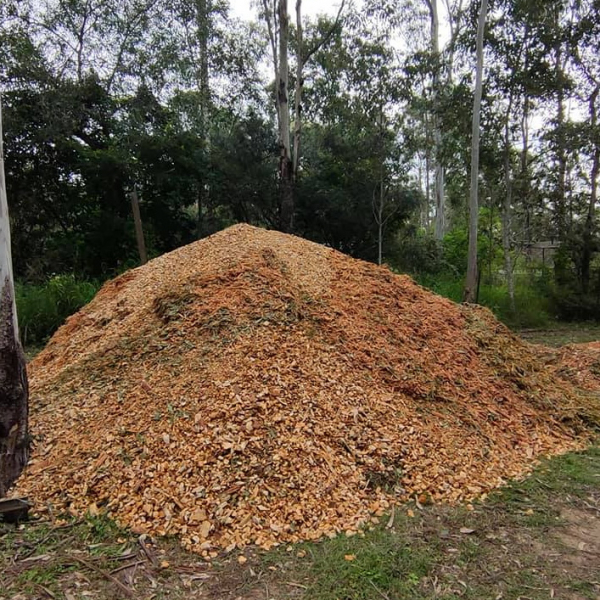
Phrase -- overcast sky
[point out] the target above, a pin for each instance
(244, 8)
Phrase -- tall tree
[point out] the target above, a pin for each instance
(470, 292)
(432, 5)
(275, 13)
(14, 437)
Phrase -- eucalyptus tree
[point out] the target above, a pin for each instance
(275, 14)
(431, 60)
(355, 168)
(14, 437)
(432, 5)
(470, 293)
(84, 38)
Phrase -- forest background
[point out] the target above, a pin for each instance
(352, 129)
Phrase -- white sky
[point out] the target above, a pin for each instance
(244, 9)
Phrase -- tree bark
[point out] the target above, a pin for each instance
(471, 281)
(14, 436)
(286, 208)
(561, 190)
(139, 230)
(298, 91)
(524, 180)
(202, 21)
(507, 208)
(586, 258)
(437, 134)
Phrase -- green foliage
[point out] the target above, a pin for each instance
(532, 307)
(418, 253)
(42, 308)
(574, 305)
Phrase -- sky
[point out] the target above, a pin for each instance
(244, 8)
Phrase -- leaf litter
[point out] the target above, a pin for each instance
(254, 387)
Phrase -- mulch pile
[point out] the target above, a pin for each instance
(578, 364)
(254, 387)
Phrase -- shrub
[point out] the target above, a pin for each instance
(43, 308)
(532, 307)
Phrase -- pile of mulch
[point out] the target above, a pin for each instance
(254, 387)
(578, 364)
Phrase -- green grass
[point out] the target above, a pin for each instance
(42, 309)
(34, 555)
(532, 308)
(363, 567)
(500, 547)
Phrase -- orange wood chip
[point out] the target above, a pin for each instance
(254, 387)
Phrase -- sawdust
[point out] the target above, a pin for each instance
(254, 387)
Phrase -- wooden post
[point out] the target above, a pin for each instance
(139, 232)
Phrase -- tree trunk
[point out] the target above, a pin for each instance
(586, 258)
(380, 220)
(139, 231)
(427, 181)
(506, 209)
(561, 190)
(202, 19)
(524, 183)
(286, 210)
(14, 436)
(437, 134)
(471, 281)
(560, 193)
(298, 91)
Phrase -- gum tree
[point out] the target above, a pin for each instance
(14, 445)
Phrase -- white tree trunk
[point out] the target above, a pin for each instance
(286, 214)
(440, 199)
(470, 292)
(139, 229)
(298, 90)
(14, 437)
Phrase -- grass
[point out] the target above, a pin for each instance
(43, 308)
(364, 567)
(43, 556)
(512, 545)
(559, 334)
(532, 308)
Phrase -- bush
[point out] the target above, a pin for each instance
(572, 305)
(532, 307)
(43, 308)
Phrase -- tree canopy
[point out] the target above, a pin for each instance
(182, 101)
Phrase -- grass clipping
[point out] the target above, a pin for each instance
(254, 387)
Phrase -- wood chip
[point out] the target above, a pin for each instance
(254, 387)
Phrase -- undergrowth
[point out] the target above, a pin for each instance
(533, 309)
(43, 308)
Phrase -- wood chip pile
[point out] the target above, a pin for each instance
(578, 364)
(254, 387)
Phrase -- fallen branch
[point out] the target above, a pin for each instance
(127, 591)
(123, 567)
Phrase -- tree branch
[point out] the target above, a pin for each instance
(325, 38)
